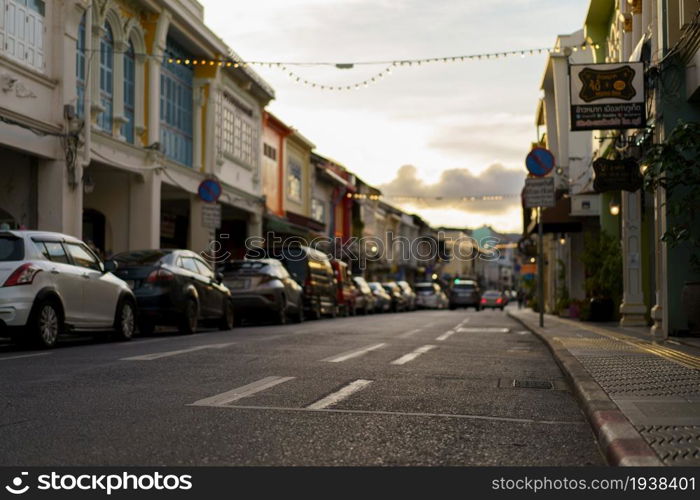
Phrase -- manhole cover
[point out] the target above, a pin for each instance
(533, 384)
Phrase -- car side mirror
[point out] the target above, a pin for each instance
(110, 266)
(218, 276)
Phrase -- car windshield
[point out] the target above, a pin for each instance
(140, 258)
(11, 248)
(492, 294)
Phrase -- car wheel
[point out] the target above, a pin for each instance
(299, 317)
(188, 321)
(125, 322)
(227, 320)
(46, 324)
(281, 318)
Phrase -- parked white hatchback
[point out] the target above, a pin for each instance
(52, 282)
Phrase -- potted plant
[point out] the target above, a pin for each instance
(674, 166)
(602, 257)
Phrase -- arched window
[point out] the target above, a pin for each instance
(129, 93)
(106, 79)
(80, 69)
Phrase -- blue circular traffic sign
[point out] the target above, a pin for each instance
(209, 190)
(539, 162)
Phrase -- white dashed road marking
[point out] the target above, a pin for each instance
(241, 392)
(338, 396)
(409, 333)
(158, 355)
(25, 356)
(353, 354)
(412, 355)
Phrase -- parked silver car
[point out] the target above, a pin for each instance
(430, 296)
(52, 282)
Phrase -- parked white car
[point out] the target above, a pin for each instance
(430, 296)
(51, 282)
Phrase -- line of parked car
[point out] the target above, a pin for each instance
(51, 283)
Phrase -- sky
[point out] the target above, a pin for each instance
(423, 132)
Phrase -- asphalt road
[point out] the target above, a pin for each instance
(419, 388)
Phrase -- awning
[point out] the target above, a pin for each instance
(557, 219)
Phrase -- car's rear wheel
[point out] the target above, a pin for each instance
(227, 320)
(125, 322)
(188, 321)
(46, 324)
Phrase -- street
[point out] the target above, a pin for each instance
(417, 388)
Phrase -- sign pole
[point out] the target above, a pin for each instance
(540, 267)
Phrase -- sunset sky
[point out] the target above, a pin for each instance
(432, 130)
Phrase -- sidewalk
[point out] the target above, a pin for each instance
(641, 398)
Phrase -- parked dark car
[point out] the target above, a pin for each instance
(175, 287)
(345, 289)
(365, 300)
(408, 294)
(313, 271)
(398, 301)
(382, 298)
(263, 288)
(493, 299)
(465, 293)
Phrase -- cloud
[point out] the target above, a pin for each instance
(442, 202)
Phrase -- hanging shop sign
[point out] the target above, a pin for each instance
(607, 96)
(616, 175)
(539, 192)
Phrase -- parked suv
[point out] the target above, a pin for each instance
(175, 287)
(263, 287)
(313, 271)
(52, 282)
(465, 293)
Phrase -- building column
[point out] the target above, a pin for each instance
(633, 309)
(659, 330)
(144, 211)
(200, 238)
(59, 206)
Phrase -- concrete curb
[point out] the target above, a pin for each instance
(619, 441)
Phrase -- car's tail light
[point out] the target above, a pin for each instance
(160, 275)
(483, 301)
(499, 300)
(23, 275)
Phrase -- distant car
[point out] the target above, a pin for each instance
(382, 298)
(313, 271)
(465, 293)
(175, 287)
(52, 282)
(398, 300)
(408, 294)
(365, 300)
(430, 296)
(263, 287)
(493, 299)
(345, 289)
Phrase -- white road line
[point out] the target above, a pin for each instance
(353, 354)
(412, 355)
(409, 333)
(158, 355)
(25, 356)
(446, 335)
(241, 392)
(338, 396)
(485, 329)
